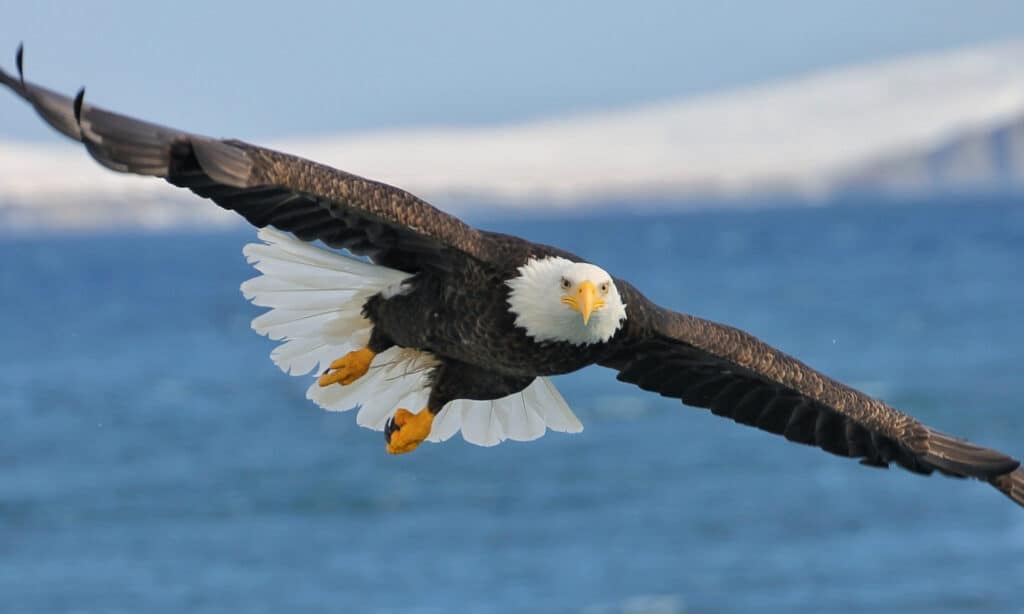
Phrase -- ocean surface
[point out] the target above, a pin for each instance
(153, 459)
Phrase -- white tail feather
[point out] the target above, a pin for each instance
(522, 416)
(316, 298)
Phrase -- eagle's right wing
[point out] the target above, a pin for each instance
(310, 200)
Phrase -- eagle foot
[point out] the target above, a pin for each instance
(406, 430)
(348, 368)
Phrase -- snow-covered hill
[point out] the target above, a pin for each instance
(806, 137)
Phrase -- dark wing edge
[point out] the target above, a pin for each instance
(266, 187)
(735, 375)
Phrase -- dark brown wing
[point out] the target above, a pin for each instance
(266, 187)
(735, 375)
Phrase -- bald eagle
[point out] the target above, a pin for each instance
(464, 326)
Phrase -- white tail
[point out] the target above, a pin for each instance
(316, 299)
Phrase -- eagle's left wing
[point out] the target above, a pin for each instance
(736, 375)
(310, 200)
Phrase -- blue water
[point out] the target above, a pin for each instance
(152, 459)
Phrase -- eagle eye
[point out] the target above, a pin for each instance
(604, 288)
(566, 284)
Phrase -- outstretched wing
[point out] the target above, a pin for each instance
(267, 187)
(735, 375)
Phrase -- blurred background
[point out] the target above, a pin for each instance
(841, 179)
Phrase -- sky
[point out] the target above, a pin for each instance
(298, 68)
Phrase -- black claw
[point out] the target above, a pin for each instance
(78, 106)
(389, 428)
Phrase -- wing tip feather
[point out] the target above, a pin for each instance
(1011, 484)
(18, 85)
(19, 63)
(77, 106)
(961, 457)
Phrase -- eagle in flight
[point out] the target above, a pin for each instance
(443, 327)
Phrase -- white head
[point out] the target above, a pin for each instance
(555, 299)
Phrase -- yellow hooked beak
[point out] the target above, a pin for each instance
(584, 300)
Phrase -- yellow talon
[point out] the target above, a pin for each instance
(348, 368)
(407, 430)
